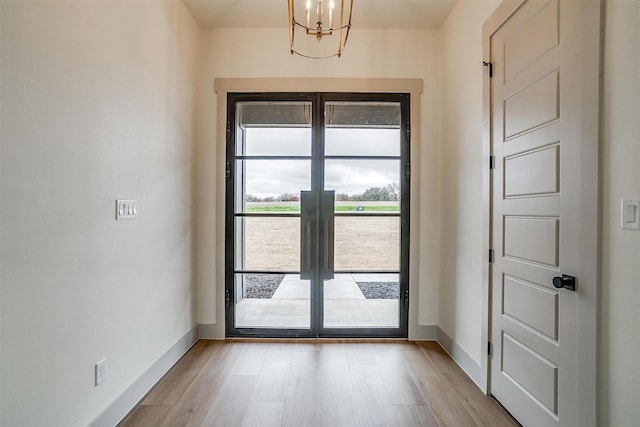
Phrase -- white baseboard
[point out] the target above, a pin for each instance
(460, 356)
(422, 332)
(211, 331)
(121, 406)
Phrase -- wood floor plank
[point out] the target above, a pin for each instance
(484, 410)
(231, 402)
(302, 391)
(414, 416)
(146, 416)
(443, 401)
(396, 375)
(251, 360)
(195, 403)
(264, 414)
(173, 385)
(372, 401)
(360, 354)
(439, 358)
(320, 391)
(274, 378)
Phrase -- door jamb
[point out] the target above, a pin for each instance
(491, 25)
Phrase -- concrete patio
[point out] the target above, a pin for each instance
(344, 305)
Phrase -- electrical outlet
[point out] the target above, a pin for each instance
(101, 371)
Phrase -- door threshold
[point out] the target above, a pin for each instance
(316, 340)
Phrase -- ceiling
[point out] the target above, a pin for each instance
(375, 14)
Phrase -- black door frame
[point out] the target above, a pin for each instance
(317, 158)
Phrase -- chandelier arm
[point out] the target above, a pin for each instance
(313, 57)
(291, 10)
(315, 28)
(346, 37)
(341, 26)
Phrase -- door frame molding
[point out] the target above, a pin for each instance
(590, 207)
(223, 86)
(491, 25)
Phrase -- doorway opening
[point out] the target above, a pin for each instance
(317, 215)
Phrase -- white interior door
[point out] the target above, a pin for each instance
(544, 136)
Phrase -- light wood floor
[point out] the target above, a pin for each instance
(299, 384)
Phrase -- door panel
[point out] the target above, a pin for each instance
(532, 106)
(532, 372)
(538, 144)
(365, 154)
(533, 305)
(535, 36)
(317, 215)
(532, 173)
(533, 239)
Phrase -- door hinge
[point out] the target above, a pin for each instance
(488, 348)
(492, 162)
(407, 171)
(406, 299)
(227, 174)
(490, 65)
(491, 255)
(228, 131)
(407, 131)
(227, 299)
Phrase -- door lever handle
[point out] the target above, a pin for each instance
(566, 281)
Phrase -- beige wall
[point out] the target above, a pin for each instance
(98, 104)
(461, 204)
(620, 297)
(370, 54)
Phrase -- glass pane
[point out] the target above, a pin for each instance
(273, 129)
(362, 128)
(276, 142)
(362, 114)
(271, 244)
(271, 301)
(362, 142)
(362, 182)
(271, 185)
(362, 300)
(367, 243)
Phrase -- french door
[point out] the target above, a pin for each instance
(317, 215)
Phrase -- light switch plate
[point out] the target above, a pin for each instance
(126, 209)
(630, 214)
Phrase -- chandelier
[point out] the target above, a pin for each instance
(319, 22)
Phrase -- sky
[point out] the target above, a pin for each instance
(273, 177)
